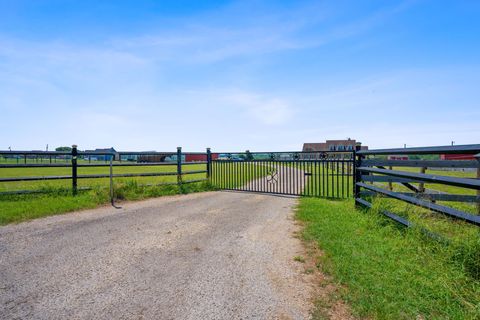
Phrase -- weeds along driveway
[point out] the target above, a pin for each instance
(216, 255)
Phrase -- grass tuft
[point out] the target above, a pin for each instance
(299, 259)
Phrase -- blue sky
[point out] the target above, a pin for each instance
(237, 75)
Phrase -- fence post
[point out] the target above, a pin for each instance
(421, 185)
(74, 169)
(179, 166)
(355, 176)
(478, 177)
(209, 163)
(390, 183)
(111, 182)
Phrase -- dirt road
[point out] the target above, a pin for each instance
(217, 255)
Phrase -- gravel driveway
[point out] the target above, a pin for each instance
(216, 255)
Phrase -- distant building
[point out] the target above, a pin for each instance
(457, 157)
(341, 146)
(103, 157)
(334, 145)
(398, 157)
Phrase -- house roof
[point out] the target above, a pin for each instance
(105, 150)
(351, 141)
(314, 146)
(102, 150)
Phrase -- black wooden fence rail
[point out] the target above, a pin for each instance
(370, 172)
(24, 159)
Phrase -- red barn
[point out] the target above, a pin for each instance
(457, 157)
(199, 157)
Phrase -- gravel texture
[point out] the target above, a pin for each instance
(216, 255)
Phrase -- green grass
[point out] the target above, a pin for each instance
(387, 272)
(18, 208)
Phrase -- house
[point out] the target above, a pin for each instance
(334, 145)
(341, 146)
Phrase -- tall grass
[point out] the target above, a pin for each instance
(388, 272)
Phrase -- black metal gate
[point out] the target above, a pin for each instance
(317, 174)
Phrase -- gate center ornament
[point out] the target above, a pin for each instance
(272, 176)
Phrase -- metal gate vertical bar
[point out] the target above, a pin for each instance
(277, 190)
(225, 176)
(253, 175)
(343, 178)
(255, 181)
(348, 179)
(327, 165)
(338, 178)
(236, 175)
(311, 179)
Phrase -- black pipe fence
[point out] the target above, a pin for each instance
(329, 174)
(376, 174)
(76, 159)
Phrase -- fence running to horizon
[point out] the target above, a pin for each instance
(443, 180)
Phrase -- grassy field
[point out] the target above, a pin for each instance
(384, 271)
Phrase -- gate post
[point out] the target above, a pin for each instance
(179, 166)
(478, 177)
(209, 163)
(357, 175)
(74, 169)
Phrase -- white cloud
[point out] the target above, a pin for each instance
(266, 110)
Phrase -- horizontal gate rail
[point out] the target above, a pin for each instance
(376, 176)
(421, 163)
(460, 149)
(93, 165)
(452, 181)
(431, 196)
